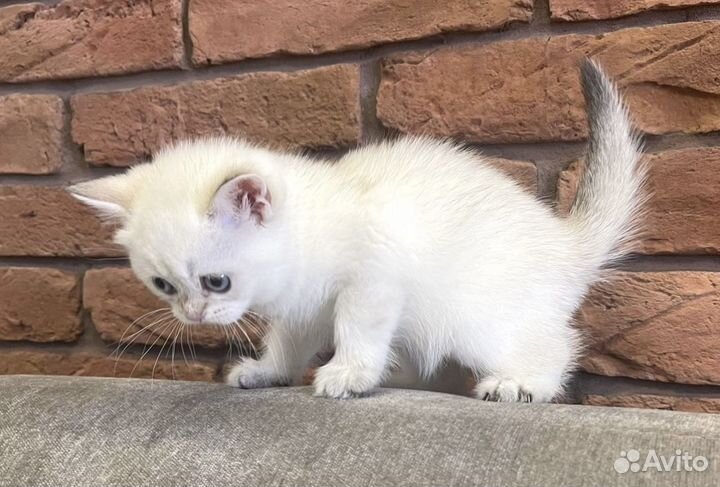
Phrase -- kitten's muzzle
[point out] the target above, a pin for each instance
(191, 314)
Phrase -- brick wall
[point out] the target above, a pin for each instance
(88, 87)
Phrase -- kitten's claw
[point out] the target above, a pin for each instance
(252, 374)
(343, 381)
(506, 390)
(524, 396)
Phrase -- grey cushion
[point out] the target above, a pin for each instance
(84, 431)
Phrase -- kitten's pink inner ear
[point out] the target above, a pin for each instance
(244, 197)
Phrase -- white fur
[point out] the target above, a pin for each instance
(414, 245)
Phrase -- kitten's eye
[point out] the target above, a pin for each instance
(216, 283)
(164, 286)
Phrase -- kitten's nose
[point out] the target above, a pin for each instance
(195, 313)
(196, 316)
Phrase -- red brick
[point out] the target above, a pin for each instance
(39, 305)
(659, 326)
(226, 30)
(47, 221)
(78, 38)
(529, 90)
(316, 108)
(684, 205)
(116, 299)
(692, 404)
(571, 10)
(31, 134)
(87, 364)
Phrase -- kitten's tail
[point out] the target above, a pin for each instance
(610, 197)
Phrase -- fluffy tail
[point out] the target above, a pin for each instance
(610, 198)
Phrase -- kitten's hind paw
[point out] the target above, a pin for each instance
(508, 390)
(252, 374)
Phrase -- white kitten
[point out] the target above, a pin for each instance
(413, 245)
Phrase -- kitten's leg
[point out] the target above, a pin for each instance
(532, 372)
(286, 353)
(365, 322)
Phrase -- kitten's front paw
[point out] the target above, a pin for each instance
(344, 381)
(252, 374)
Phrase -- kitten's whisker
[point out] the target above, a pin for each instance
(243, 350)
(146, 315)
(248, 339)
(125, 339)
(232, 340)
(145, 352)
(157, 359)
(131, 339)
(248, 345)
(174, 342)
(182, 342)
(152, 374)
(192, 345)
(254, 328)
(228, 341)
(257, 316)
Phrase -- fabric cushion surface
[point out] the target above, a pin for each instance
(58, 431)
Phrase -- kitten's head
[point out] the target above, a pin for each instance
(202, 225)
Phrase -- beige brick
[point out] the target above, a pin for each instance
(31, 134)
(316, 108)
(79, 38)
(226, 30)
(39, 304)
(692, 404)
(654, 325)
(87, 364)
(529, 90)
(47, 221)
(572, 10)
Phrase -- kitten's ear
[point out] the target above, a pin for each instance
(109, 196)
(243, 198)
